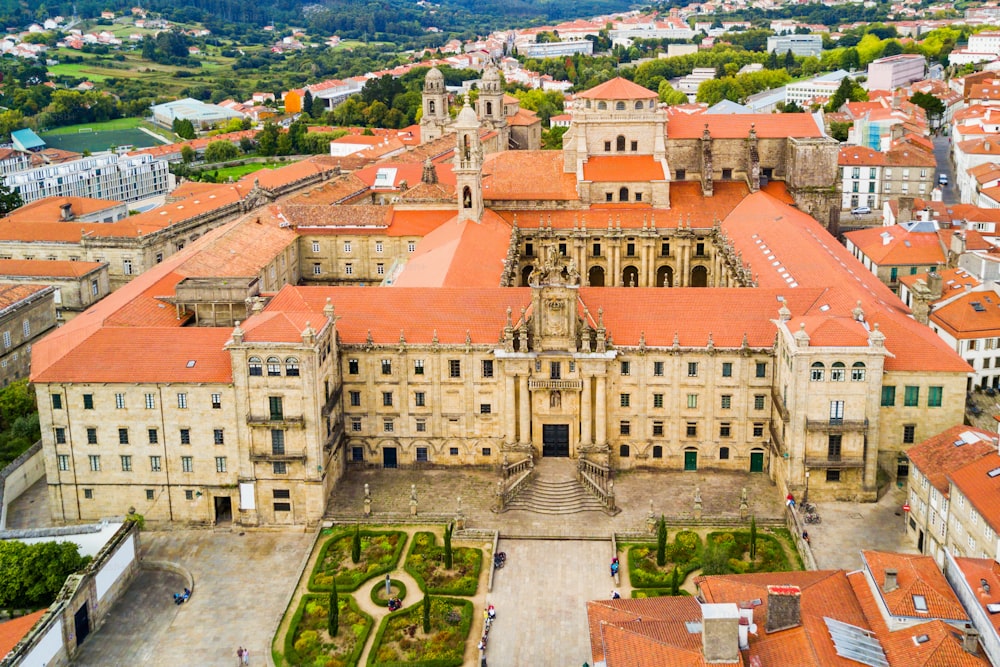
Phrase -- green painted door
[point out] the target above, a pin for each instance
(690, 460)
(756, 461)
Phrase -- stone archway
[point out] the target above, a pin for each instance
(595, 277)
(630, 276)
(525, 274)
(665, 276)
(699, 276)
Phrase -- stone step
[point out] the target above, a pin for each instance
(551, 497)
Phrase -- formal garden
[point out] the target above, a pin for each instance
(358, 585)
(661, 568)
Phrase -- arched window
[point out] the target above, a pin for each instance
(657, 452)
(430, 107)
(817, 373)
(620, 143)
(489, 108)
(723, 453)
(468, 148)
(602, 106)
(623, 451)
(588, 104)
(623, 194)
(273, 366)
(858, 371)
(638, 106)
(619, 106)
(292, 367)
(838, 372)
(467, 197)
(652, 104)
(256, 368)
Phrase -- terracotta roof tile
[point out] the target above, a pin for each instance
(46, 268)
(938, 456)
(897, 246)
(617, 89)
(982, 490)
(13, 293)
(49, 209)
(963, 320)
(14, 630)
(527, 175)
(952, 280)
(976, 571)
(459, 254)
(615, 168)
(737, 126)
(915, 575)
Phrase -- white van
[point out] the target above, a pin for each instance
(943, 180)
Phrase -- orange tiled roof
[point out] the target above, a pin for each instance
(737, 126)
(974, 482)
(16, 629)
(46, 268)
(617, 89)
(976, 571)
(615, 168)
(527, 175)
(896, 246)
(952, 280)
(13, 293)
(49, 209)
(915, 575)
(962, 320)
(860, 155)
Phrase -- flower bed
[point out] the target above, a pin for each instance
(401, 638)
(733, 549)
(379, 554)
(425, 561)
(378, 592)
(309, 643)
(684, 553)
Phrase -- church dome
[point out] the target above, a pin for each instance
(466, 117)
(434, 79)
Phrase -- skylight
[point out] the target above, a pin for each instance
(921, 639)
(191, 363)
(993, 473)
(920, 603)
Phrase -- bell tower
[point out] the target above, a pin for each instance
(468, 165)
(434, 119)
(489, 106)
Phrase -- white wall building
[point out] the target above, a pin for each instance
(799, 45)
(819, 86)
(985, 42)
(896, 71)
(117, 177)
(557, 49)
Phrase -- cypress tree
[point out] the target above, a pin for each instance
(753, 538)
(427, 614)
(356, 544)
(661, 542)
(333, 616)
(447, 547)
(675, 582)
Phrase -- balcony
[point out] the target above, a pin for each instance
(834, 462)
(280, 419)
(258, 456)
(575, 385)
(836, 425)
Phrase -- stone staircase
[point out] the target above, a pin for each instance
(555, 490)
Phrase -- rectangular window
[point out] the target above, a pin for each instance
(626, 368)
(836, 411)
(725, 430)
(485, 408)
(123, 436)
(380, 269)
(411, 246)
(188, 494)
(909, 433)
(127, 267)
(91, 436)
(185, 436)
(555, 370)
(596, 250)
(758, 401)
(154, 463)
(218, 436)
(727, 401)
(88, 401)
(356, 424)
(63, 460)
(658, 369)
(154, 437)
(658, 429)
(664, 248)
(317, 269)
(88, 494)
(727, 369)
(911, 397)
(454, 368)
(277, 442)
(630, 249)
(421, 455)
(625, 400)
(691, 429)
(387, 367)
(934, 397)
(758, 430)
(216, 401)
(276, 407)
(692, 401)
(761, 369)
(487, 368)
(315, 246)
(57, 401)
(625, 427)
(187, 463)
(692, 369)
(348, 270)
(95, 462)
(149, 401)
(279, 467)
(379, 247)
(220, 464)
(388, 426)
(60, 435)
(833, 475)
(657, 400)
(418, 366)
(387, 399)
(833, 446)
(355, 398)
(347, 246)
(182, 401)
(888, 396)
(126, 463)
(421, 426)
(352, 366)
(420, 399)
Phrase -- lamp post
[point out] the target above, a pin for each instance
(805, 495)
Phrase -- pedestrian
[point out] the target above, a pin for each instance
(239, 656)
(790, 500)
(246, 656)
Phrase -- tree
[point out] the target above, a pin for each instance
(356, 544)
(9, 199)
(32, 574)
(333, 614)
(267, 139)
(447, 547)
(675, 581)
(427, 614)
(552, 139)
(661, 542)
(183, 128)
(929, 103)
(307, 102)
(753, 537)
(220, 151)
(714, 560)
(839, 130)
(670, 95)
(187, 154)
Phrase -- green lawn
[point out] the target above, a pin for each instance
(79, 70)
(238, 171)
(117, 124)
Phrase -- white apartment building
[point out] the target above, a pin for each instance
(557, 49)
(116, 177)
(799, 45)
(896, 71)
(985, 42)
(820, 86)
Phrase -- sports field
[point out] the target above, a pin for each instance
(101, 140)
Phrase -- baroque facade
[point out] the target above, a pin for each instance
(527, 315)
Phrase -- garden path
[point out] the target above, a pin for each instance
(363, 597)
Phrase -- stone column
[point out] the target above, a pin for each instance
(524, 409)
(586, 439)
(614, 264)
(601, 435)
(643, 280)
(510, 407)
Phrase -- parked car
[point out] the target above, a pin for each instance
(943, 180)
(861, 210)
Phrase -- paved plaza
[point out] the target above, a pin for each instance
(243, 580)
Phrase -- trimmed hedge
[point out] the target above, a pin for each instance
(441, 630)
(684, 552)
(380, 586)
(425, 562)
(297, 643)
(734, 544)
(350, 577)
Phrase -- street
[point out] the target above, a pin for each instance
(942, 154)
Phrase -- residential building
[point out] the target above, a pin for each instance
(116, 177)
(987, 41)
(77, 284)
(823, 85)
(558, 49)
(896, 71)
(969, 154)
(890, 252)
(799, 45)
(975, 580)
(27, 313)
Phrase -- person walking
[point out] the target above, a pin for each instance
(239, 656)
(246, 656)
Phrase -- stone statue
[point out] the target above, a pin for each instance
(697, 502)
(697, 494)
(555, 399)
(413, 499)
(744, 505)
(368, 491)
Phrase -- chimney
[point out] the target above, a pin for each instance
(905, 210)
(66, 212)
(784, 608)
(935, 284)
(720, 632)
(890, 581)
(970, 639)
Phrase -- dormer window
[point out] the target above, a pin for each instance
(619, 106)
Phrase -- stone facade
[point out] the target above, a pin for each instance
(27, 312)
